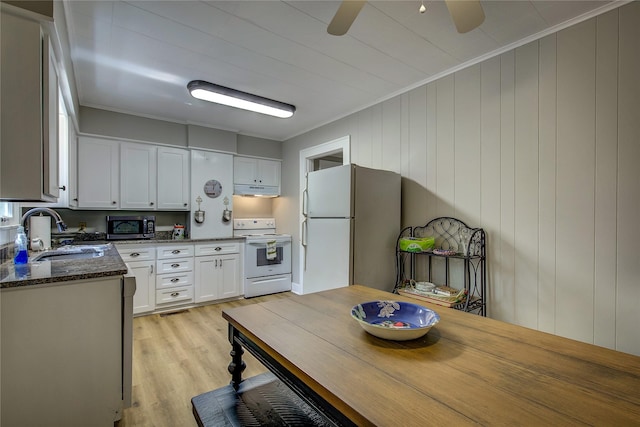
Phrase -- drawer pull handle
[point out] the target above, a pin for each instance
(174, 280)
(175, 294)
(218, 248)
(175, 251)
(176, 265)
(134, 254)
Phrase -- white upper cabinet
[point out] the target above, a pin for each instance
(72, 165)
(173, 178)
(253, 176)
(114, 174)
(98, 173)
(248, 170)
(29, 109)
(269, 172)
(138, 183)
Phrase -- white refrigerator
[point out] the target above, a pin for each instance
(351, 223)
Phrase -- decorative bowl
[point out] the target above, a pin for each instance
(394, 320)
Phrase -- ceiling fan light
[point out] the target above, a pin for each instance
(211, 92)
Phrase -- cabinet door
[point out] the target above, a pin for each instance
(137, 176)
(229, 276)
(145, 297)
(29, 161)
(50, 123)
(217, 277)
(173, 178)
(206, 278)
(269, 172)
(245, 170)
(73, 167)
(98, 173)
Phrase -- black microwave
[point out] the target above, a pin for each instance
(131, 227)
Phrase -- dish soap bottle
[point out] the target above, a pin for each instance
(20, 250)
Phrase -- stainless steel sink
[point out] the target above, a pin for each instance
(71, 252)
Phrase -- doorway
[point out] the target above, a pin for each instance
(328, 154)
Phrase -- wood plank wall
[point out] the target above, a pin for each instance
(539, 146)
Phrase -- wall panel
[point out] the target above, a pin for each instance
(526, 186)
(432, 151)
(575, 181)
(606, 168)
(490, 166)
(361, 151)
(376, 136)
(415, 186)
(445, 145)
(628, 203)
(504, 302)
(391, 134)
(467, 145)
(547, 100)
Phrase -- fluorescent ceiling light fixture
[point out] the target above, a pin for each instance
(234, 98)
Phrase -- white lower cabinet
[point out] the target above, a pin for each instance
(174, 275)
(62, 344)
(144, 298)
(141, 260)
(169, 275)
(217, 276)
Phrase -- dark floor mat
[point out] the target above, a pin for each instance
(262, 400)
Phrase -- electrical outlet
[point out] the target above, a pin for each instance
(82, 226)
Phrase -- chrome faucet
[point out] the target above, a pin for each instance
(59, 222)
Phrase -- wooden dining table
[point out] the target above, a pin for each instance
(466, 370)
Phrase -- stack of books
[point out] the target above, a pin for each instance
(441, 295)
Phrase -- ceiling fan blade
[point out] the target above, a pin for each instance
(466, 14)
(344, 17)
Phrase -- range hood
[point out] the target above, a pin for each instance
(256, 190)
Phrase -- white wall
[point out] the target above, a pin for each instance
(540, 147)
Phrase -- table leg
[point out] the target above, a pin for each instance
(237, 365)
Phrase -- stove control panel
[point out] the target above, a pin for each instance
(254, 223)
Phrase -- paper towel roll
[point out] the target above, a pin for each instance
(40, 227)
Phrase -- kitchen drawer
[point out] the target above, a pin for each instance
(181, 294)
(217, 248)
(174, 265)
(130, 253)
(164, 281)
(174, 251)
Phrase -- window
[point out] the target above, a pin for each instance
(6, 213)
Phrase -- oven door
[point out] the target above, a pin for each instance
(265, 258)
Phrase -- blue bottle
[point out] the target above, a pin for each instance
(20, 249)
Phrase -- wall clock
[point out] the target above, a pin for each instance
(212, 188)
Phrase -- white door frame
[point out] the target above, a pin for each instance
(340, 145)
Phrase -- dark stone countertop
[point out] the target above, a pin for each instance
(173, 242)
(49, 272)
(43, 272)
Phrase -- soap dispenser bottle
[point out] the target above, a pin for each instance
(20, 249)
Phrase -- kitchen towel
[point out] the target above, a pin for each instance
(271, 250)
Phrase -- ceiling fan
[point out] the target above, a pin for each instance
(466, 14)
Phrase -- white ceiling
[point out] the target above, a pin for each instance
(137, 57)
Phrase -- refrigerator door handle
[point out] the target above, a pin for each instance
(304, 242)
(305, 196)
(304, 232)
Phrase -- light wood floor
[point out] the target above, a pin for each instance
(177, 357)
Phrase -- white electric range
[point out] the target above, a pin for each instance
(267, 256)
